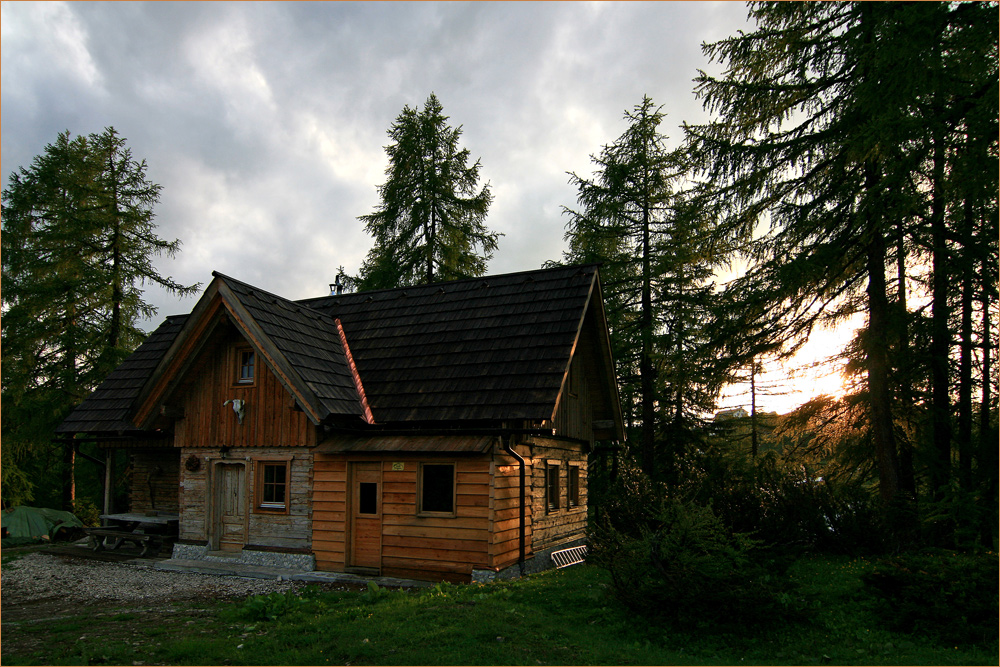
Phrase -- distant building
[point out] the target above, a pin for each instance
(735, 413)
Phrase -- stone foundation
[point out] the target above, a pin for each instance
(292, 561)
(539, 562)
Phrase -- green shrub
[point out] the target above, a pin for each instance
(269, 607)
(947, 595)
(86, 511)
(782, 505)
(686, 568)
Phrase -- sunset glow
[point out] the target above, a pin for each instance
(782, 387)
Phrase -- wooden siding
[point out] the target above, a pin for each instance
(413, 546)
(484, 534)
(155, 478)
(575, 416)
(290, 530)
(505, 516)
(271, 418)
(551, 528)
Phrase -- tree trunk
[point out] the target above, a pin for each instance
(940, 468)
(964, 433)
(117, 287)
(69, 477)
(987, 459)
(646, 369)
(876, 348)
(907, 478)
(753, 410)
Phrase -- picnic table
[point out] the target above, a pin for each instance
(145, 529)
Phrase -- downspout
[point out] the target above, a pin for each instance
(521, 525)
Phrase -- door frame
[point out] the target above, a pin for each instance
(213, 516)
(353, 470)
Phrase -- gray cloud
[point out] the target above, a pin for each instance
(265, 122)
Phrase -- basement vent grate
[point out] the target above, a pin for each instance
(571, 556)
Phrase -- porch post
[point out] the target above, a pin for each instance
(109, 479)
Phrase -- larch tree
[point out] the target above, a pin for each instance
(78, 239)
(632, 220)
(828, 159)
(430, 223)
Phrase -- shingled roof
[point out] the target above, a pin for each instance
(109, 408)
(489, 349)
(307, 340)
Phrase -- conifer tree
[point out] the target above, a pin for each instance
(838, 129)
(430, 223)
(78, 238)
(655, 276)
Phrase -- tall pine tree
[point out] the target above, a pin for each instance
(632, 220)
(78, 238)
(837, 129)
(430, 223)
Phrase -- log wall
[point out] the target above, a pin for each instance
(505, 517)
(291, 530)
(554, 527)
(413, 546)
(155, 476)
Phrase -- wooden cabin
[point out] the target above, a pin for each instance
(435, 432)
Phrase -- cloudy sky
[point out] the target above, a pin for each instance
(265, 123)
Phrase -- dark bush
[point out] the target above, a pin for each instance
(683, 566)
(782, 505)
(947, 595)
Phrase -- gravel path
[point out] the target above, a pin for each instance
(38, 576)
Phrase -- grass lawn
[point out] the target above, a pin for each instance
(558, 617)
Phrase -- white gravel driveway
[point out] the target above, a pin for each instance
(35, 577)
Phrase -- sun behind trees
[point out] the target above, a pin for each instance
(841, 162)
(429, 225)
(78, 240)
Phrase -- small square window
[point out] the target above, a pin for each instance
(437, 488)
(552, 487)
(368, 498)
(247, 361)
(573, 487)
(272, 485)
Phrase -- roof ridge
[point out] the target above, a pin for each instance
(443, 284)
(297, 304)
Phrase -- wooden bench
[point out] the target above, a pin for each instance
(149, 542)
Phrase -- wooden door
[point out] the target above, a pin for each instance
(230, 506)
(366, 516)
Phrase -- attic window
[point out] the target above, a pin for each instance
(246, 361)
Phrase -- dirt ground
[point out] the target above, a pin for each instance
(60, 584)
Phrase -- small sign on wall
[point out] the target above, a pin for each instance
(398, 466)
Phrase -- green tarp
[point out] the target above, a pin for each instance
(36, 522)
